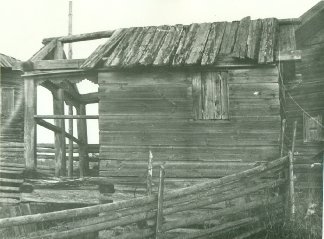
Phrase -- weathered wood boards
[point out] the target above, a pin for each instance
(162, 112)
(203, 44)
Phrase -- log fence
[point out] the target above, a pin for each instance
(210, 196)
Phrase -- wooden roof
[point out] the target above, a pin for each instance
(6, 61)
(181, 45)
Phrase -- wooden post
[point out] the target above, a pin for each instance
(30, 135)
(82, 135)
(291, 173)
(70, 166)
(60, 146)
(159, 216)
(282, 137)
(149, 174)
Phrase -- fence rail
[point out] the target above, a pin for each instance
(249, 187)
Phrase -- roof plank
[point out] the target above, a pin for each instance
(114, 58)
(229, 37)
(185, 44)
(104, 49)
(213, 44)
(253, 42)
(169, 46)
(268, 38)
(241, 38)
(139, 46)
(44, 51)
(195, 53)
(152, 49)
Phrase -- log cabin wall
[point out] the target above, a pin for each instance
(12, 115)
(157, 110)
(305, 104)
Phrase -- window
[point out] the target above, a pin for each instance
(210, 95)
(7, 101)
(312, 128)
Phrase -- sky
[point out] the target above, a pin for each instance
(25, 23)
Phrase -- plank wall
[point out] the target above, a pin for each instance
(12, 126)
(153, 110)
(307, 95)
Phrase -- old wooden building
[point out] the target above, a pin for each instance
(204, 99)
(12, 110)
(304, 104)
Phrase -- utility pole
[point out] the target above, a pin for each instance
(70, 28)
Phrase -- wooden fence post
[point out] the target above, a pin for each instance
(159, 216)
(291, 173)
(282, 137)
(149, 178)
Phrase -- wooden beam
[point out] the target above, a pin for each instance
(58, 50)
(81, 37)
(47, 64)
(90, 98)
(294, 55)
(66, 116)
(60, 147)
(290, 21)
(57, 129)
(70, 165)
(30, 135)
(44, 51)
(70, 98)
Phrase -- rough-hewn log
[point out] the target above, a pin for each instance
(44, 51)
(48, 64)
(70, 165)
(294, 55)
(81, 37)
(58, 130)
(290, 21)
(60, 147)
(213, 231)
(30, 135)
(149, 179)
(82, 134)
(90, 98)
(66, 116)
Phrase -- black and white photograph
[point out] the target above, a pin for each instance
(161, 119)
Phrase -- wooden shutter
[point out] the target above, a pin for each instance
(312, 128)
(210, 95)
(7, 101)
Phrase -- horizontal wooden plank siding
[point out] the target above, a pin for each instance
(154, 110)
(305, 98)
(12, 123)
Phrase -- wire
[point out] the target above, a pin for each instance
(286, 90)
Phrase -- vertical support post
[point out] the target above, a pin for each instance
(70, 166)
(70, 28)
(159, 216)
(282, 137)
(30, 134)
(60, 146)
(291, 173)
(149, 178)
(82, 135)
(58, 52)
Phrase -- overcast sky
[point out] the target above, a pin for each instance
(24, 23)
